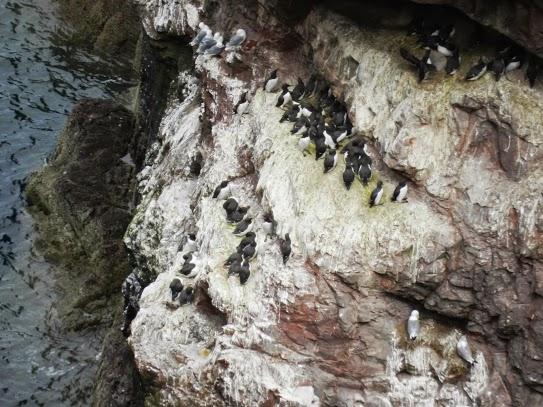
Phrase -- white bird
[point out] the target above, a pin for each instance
(413, 325)
(462, 347)
(190, 243)
(204, 30)
(303, 144)
(236, 40)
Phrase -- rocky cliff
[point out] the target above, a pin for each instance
(328, 327)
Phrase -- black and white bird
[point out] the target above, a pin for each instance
(298, 91)
(237, 215)
(477, 71)
(234, 257)
(190, 243)
(175, 287)
(247, 239)
(513, 61)
(204, 30)
(235, 42)
(376, 194)
(292, 115)
(400, 193)
(364, 172)
(497, 67)
(285, 246)
(330, 160)
(300, 126)
(186, 296)
(285, 97)
(453, 63)
(348, 176)
(329, 140)
(244, 272)
(413, 325)
(230, 205)
(446, 48)
(222, 191)
(421, 65)
(189, 265)
(320, 147)
(196, 164)
(269, 224)
(464, 351)
(271, 83)
(242, 105)
(243, 227)
(249, 251)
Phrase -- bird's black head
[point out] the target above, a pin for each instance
(192, 236)
(287, 236)
(379, 183)
(274, 74)
(189, 290)
(187, 256)
(285, 86)
(248, 220)
(251, 235)
(403, 184)
(224, 183)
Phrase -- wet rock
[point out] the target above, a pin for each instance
(81, 201)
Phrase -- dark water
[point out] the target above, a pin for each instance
(41, 77)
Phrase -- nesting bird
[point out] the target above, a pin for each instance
(477, 70)
(204, 30)
(242, 105)
(235, 42)
(175, 288)
(400, 193)
(269, 224)
(271, 82)
(413, 325)
(243, 227)
(376, 194)
(464, 351)
(285, 246)
(222, 191)
(190, 243)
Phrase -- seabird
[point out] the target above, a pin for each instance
(190, 243)
(247, 239)
(234, 257)
(497, 67)
(462, 347)
(330, 160)
(244, 272)
(230, 205)
(271, 83)
(243, 227)
(329, 141)
(421, 65)
(236, 40)
(299, 90)
(292, 115)
(445, 48)
(477, 71)
(364, 172)
(196, 164)
(320, 147)
(242, 105)
(376, 194)
(186, 296)
(208, 41)
(400, 193)
(284, 97)
(269, 224)
(348, 176)
(188, 265)
(237, 215)
(285, 247)
(453, 63)
(222, 191)
(215, 49)
(175, 287)
(204, 30)
(303, 144)
(249, 251)
(413, 325)
(300, 126)
(514, 61)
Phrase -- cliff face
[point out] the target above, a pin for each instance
(328, 328)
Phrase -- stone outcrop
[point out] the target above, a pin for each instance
(81, 201)
(328, 328)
